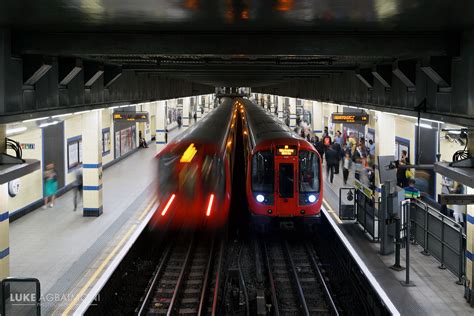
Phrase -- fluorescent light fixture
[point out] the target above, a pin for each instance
(82, 112)
(425, 125)
(16, 130)
(407, 116)
(61, 115)
(454, 132)
(48, 124)
(423, 119)
(124, 106)
(36, 119)
(114, 107)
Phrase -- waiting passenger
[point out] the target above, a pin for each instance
(50, 185)
(346, 166)
(411, 192)
(77, 187)
(458, 210)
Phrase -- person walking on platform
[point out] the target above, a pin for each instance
(458, 210)
(77, 187)
(346, 167)
(318, 145)
(331, 162)
(179, 121)
(50, 185)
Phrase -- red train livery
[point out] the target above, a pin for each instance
(284, 173)
(195, 170)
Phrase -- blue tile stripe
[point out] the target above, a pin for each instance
(317, 131)
(4, 253)
(92, 187)
(92, 209)
(160, 130)
(4, 216)
(161, 143)
(469, 255)
(92, 165)
(470, 218)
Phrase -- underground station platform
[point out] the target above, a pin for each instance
(236, 158)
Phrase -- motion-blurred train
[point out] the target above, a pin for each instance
(284, 172)
(195, 170)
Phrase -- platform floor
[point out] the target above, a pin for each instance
(64, 250)
(435, 291)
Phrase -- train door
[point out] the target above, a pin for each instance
(285, 185)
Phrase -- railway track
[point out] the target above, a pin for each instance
(187, 278)
(297, 286)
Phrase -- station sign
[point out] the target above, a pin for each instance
(350, 118)
(131, 116)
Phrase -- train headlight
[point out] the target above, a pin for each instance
(312, 198)
(260, 198)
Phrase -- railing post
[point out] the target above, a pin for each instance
(462, 259)
(426, 228)
(442, 266)
(398, 241)
(407, 282)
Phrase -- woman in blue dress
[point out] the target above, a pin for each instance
(50, 185)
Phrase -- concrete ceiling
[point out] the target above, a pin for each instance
(238, 42)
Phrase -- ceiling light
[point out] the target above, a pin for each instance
(16, 130)
(82, 112)
(425, 125)
(61, 115)
(48, 124)
(36, 119)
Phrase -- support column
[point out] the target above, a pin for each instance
(160, 124)
(92, 163)
(4, 234)
(186, 108)
(201, 105)
(385, 138)
(292, 113)
(317, 118)
(281, 107)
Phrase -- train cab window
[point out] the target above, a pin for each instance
(286, 180)
(309, 172)
(167, 175)
(263, 172)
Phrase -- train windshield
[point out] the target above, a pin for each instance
(309, 172)
(263, 172)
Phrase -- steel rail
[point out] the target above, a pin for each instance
(296, 278)
(158, 272)
(271, 280)
(218, 279)
(205, 282)
(179, 283)
(316, 268)
(242, 282)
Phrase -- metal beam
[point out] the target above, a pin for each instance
(406, 72)
(34, 68)
(386, 44)
(111, 75)
(383, 73)
(68, 70)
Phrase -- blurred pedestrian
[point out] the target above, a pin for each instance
(331, 162)
(346, 166)
(458, 210)
(50, 185)
(77, 187)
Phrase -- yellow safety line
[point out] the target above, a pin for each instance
(147, 208)
(105, 262)
(331, 211)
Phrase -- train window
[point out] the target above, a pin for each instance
(167, 173)
(286, 180)
(262, 172)
(309, 172)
